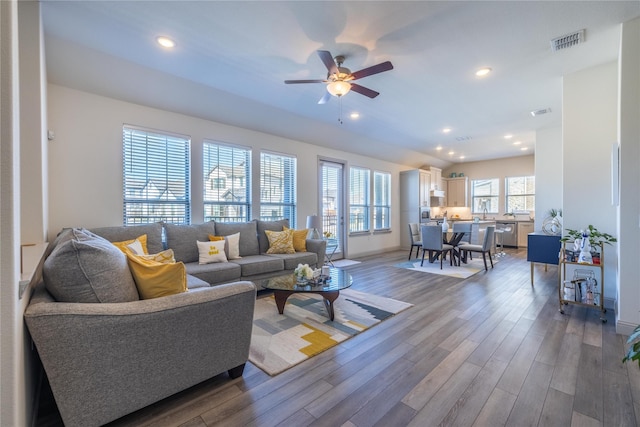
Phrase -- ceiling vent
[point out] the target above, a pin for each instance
(567, 41)
(463, 138)
(540, 112)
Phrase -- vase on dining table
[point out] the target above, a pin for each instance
(445, 226)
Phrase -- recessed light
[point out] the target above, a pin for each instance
(517, 142)
(461, 157)
(354, 115)
(165, 42)
(508, 136)
(451, 153)
(446, 130)
(524, 148)
(483, 72)
(439, 148)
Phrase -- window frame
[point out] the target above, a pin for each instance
(524, 195)
(219, 210)
(360, 207)
(384, 204)
(493, 199)
(289, 189)
(164, 154)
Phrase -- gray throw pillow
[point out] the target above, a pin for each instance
(88, 268)
(183, 239)
(121, 233)
(248, 235)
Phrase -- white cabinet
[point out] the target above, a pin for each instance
(436, 178)
(415, 186)
(524, 228)
(456, 192)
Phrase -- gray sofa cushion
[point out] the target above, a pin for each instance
(88, 268)
(121, 233)
(183, 239)
(259, 264)
(263, 240)
(248, 232)
(220, 272)
(291, 261)
(193, 282)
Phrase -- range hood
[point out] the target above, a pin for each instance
(437, 193)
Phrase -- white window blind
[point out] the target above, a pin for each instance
(381, 201)
(227, 182)
(484, 195)
(359, 204)
(155, 177)
(278, 187)
(521, 193)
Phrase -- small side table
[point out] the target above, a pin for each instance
(332, 247)
(543, 248)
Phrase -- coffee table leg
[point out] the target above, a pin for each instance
(281, 299)
(329, 298)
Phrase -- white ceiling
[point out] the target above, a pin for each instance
(232, 57)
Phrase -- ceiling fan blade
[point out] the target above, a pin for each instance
(328, 61)
(325, 98)
(383, 66)
(364, 90)
(303, 81)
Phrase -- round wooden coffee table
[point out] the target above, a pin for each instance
(285, 286)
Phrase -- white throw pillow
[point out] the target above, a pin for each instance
(211, 252)
(136, 247)
(233, 246)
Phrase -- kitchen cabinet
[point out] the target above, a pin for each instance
(436, 179)
(524, 228)
(456, 192)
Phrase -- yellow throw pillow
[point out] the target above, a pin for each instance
(164, 257)
(280, 242)
(213, 238)
(300, 239)
(134, 245)
(211, 252)
(155, 279)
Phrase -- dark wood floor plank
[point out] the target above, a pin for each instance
(618, 402)
(528, 406)
(519, 366)
(589, 384)
(555, 412)
(497, 409)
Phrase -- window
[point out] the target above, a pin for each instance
(358, 200)
(227, 197)
(521, 193)
(381, 201)
(484, 195)
(278, 187)
(155, 177)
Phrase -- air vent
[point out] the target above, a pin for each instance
(463, 138)
(540, 112)
(567, 41)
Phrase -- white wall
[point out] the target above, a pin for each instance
(85, 162)
(590, 105)
(628, 310)
(548, 172)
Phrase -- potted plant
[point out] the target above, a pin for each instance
(634, 350)
(595, 236)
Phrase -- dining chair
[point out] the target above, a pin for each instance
(432, 242)
(462, 233)
(416, 239)
(485, 248)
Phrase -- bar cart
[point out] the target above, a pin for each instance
(583, 287)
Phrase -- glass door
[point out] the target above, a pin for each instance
(332, 206)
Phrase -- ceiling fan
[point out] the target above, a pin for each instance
(340, 79)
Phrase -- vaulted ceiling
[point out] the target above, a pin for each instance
(231, 59)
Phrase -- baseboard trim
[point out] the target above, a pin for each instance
(624, 328)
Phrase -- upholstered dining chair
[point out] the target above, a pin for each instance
(432, 242)
(416, 239)
(485, 248)
(464, 228)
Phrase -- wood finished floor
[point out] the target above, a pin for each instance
(489, 350)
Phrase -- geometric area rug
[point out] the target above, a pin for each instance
(280, 341)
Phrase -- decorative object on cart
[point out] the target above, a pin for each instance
(634, 349)
(584, 257)
(314, 224)
(552, 224)
(595, 236)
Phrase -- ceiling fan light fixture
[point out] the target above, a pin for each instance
(165, 42)
(339, 88)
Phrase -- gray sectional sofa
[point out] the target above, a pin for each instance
(113, 353)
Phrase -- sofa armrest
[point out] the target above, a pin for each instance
(106, 360)
(319, 247)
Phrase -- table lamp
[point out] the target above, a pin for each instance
(314, 224)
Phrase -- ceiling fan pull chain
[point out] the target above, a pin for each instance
(340, 115)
